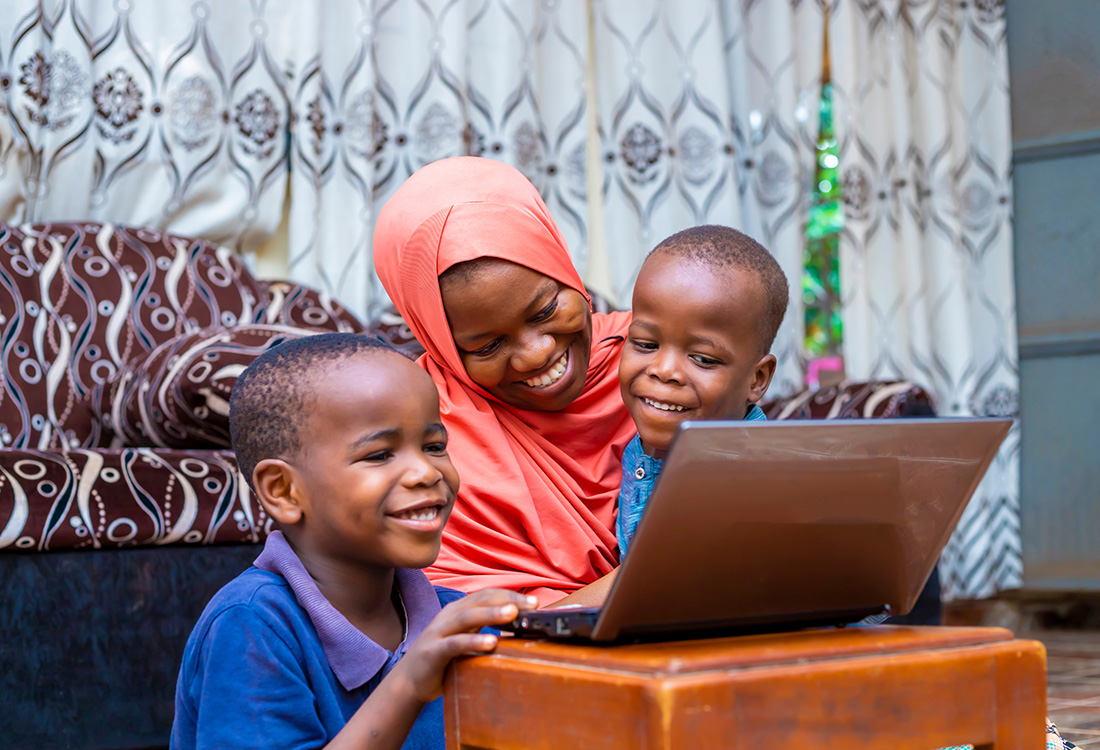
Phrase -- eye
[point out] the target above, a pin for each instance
(488, 349)
(644, 346)
(438, 447)
(376, 457)
(705, 361)
(546, 312)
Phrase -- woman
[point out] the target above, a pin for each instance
(527, 377)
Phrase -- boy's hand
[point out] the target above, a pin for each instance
(454, 632)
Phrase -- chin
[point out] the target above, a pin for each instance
(658, 440)
(419, 557)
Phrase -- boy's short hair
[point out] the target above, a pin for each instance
(268, 406)
(719, 246)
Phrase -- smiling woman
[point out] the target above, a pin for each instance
(530, 350)
(527, 376)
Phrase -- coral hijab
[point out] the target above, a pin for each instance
(535, 512)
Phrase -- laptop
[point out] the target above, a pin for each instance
(780, 525)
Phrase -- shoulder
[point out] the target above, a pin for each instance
(253, 601)
(248, 676)
(253, 588)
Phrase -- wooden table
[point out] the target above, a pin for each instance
(894, 688)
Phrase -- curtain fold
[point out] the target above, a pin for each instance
(706, 117)
(922, 119)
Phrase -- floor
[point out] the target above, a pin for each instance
(1073, 683)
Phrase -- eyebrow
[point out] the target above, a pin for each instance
(370, 437)
(392, 433)
(548, 287)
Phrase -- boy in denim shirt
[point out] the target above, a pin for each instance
(708, 303)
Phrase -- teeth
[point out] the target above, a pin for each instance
(664, 407)
(552, 376)
(424, 514)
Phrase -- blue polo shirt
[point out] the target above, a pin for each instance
(271, 663)
(640, 473)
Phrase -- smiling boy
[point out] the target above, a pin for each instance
(708, 303)
(335, 638)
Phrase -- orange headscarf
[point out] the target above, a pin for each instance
(535, 512)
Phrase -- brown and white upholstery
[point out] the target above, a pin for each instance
(87, 309)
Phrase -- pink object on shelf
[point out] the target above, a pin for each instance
(829, 369)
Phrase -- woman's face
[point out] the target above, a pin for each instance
(522, 336)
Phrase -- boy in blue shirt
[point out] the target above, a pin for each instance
(335, 638)
(708, 303)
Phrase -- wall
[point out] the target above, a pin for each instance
(1054, 65)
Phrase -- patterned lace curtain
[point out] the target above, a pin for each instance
(922, 117)
(219, 119)
(708, 116)
(165, 114)
(383, 90)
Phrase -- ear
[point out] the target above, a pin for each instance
(276, 484)
(761, 378)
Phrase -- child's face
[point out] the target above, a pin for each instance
(692, 350)
(374, 480)
(522, 336)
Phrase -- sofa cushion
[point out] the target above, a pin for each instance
(93, 499)
(177, 396)
(877, 398)
(79, 300)
(291, 304)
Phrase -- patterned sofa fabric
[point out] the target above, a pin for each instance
(854, 400)
(80, 300)
(177, 396)
(291, 304)
(77, 301)
(99, 499)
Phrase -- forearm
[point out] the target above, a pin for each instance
(385, 718)
(592, 595)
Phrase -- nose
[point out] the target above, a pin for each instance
(667, 366)
(534, 352)
(420, 471)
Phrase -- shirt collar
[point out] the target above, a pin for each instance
(637, 458)
(352, 655)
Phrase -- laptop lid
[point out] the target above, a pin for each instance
(753, 523)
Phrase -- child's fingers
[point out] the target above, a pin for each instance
(500, 597)
(469, 643)
(475, 618)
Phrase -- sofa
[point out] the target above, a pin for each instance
(121, 511)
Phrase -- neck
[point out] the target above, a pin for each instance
(657, 453)
(363, 594)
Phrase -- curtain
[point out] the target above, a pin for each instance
(385, 88)
(164, 114)
(635, 119)
(220, 119)
(707, 113)
(922, 118)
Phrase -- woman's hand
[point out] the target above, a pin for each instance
(592, 595)
(454, 632)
